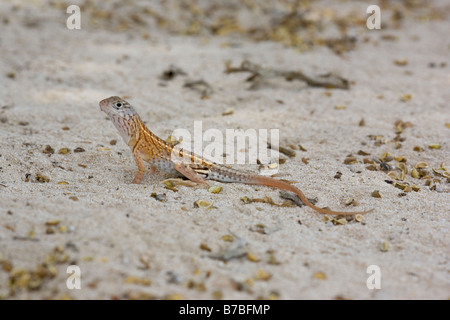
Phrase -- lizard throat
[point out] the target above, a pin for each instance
(125, 126)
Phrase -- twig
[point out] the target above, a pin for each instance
(25, 238)
(258, 74)
(171, 73)
(200, 85)
(290, 153)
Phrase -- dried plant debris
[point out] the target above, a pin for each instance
(442, 171)
(415, 174)
(434, 146)
(421, 165)
(205, 247)
(363, 153)
(342, 44)
(378, 139)
(401, 62)
(350, 160)
(302, 148)
(402, 170)
(228, 112)
(200, 286)
(237, 249)
(351, 201)
(172, 183)
(287, 203)
(251, 257)
(338, 175)
(262, 275)
(273, 165)
(263, 229)
(42, 178)
(202, 204)
(284, 150)
(259, 75)
(271, 259)
(48, 150)
(171, 73)
(376, 194)
(343, 220)
(34, 279)
(400, 159)
(404, 186)
(227, 238)
(246, 200)
(362, 122)
(145, 260)
(172, 140)
(400, 125)
(386, 157)
(320, 275)
(138, 280)
(290, 153)
(298, 24)
(383, 246)
(214, 189)
(406, 97)
(159, 196)
(64, 151)
(203, 87)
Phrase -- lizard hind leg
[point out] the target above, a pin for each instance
(190, 173)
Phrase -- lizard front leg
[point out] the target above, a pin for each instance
(141, 167)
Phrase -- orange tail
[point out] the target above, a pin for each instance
(270, 182)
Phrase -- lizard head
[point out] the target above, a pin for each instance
(116, 107)
(122, 114)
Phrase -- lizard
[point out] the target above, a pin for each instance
(148, 147)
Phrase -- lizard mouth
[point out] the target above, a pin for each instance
(103, 105)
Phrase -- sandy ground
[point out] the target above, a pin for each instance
(129, 245)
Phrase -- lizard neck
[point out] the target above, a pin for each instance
(134, 132)
(140, 132)
(128, 127)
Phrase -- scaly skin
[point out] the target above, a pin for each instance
(146, 146)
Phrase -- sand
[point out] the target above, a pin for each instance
(129, 245)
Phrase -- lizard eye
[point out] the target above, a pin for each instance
(119, 104)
